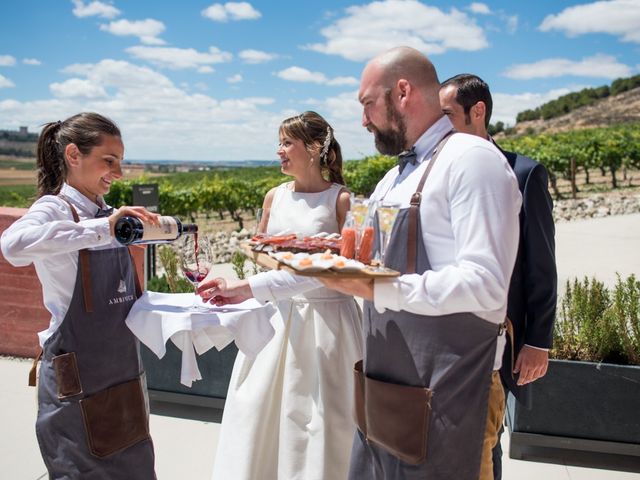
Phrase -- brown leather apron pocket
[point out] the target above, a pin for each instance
(396, 417)
(115, 418)
(67, 375)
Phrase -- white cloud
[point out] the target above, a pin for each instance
(615, 17)
(77, 88)
(299, 74)
(344, 114)
(5, 82)
(180, 58)
(338, 81)
(370, 29)
(7, 61)
(506, 106)
(158, 119)
(146, 30)
(256, 56)
(480, 8)
(237, 78)
(206, 69)
(93, 9)
(219, 12)
(597, 66)
(31, 61)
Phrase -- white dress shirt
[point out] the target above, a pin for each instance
(470, 229)
(48, 237)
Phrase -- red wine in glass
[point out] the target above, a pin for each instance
(195, 262)
(195, 277)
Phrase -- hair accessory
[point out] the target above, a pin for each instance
(325, 145)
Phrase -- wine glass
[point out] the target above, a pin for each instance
(359, 211)
(387, 213)
(361, 214)
(195, 262)
(259, 212)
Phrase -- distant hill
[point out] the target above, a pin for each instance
(612, 110)
(574, 100)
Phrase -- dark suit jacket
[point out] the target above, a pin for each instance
(533, 289)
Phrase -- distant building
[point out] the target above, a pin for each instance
(23, 132)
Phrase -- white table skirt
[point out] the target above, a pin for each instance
(157, 317)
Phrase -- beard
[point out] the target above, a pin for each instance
(390, 141)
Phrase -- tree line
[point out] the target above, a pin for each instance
(233, 192)
(610, 150)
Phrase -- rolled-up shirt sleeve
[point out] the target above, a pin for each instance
(483, 202)
(46, 230)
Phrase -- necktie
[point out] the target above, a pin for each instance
(408, 156)
(104, 212)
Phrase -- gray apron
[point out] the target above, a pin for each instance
(451, 355)
(93, 417)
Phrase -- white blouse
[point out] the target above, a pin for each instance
(48, 237)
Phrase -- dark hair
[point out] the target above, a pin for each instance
(471, 90)
(85, 130)
(312, 129)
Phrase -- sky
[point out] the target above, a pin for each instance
(197, 80)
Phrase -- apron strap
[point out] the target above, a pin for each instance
(34, 369)
(83, 258)
(135, 272)
(83, 264)
(508, 326)
(416, 198)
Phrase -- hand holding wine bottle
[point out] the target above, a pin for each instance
(132, 230)
(141, 213)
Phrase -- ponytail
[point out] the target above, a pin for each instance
(85, 130)
(52, 169)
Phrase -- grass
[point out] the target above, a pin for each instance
(14, 195)
(17, 163)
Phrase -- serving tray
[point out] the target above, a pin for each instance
(267, 261)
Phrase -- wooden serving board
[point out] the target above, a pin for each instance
(267, 261)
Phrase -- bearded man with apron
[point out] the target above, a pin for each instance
(93, 416)
(433, 336)
(423, 388)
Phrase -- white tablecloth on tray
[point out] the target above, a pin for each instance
(157, 317)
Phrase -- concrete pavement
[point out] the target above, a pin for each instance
(185, 438)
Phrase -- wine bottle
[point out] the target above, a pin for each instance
(131, 230)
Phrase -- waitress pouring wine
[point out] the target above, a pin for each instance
(91, 373)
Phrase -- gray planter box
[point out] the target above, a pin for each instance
(593, 408)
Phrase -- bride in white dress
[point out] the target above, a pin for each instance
(288, 413)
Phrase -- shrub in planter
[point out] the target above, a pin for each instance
(599, 325)
(588, 401)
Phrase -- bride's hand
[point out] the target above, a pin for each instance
(219, 291)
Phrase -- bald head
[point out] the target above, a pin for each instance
(399, 92)
(409, 64)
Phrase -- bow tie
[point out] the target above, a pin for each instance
(104, 212)
(408, 156)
